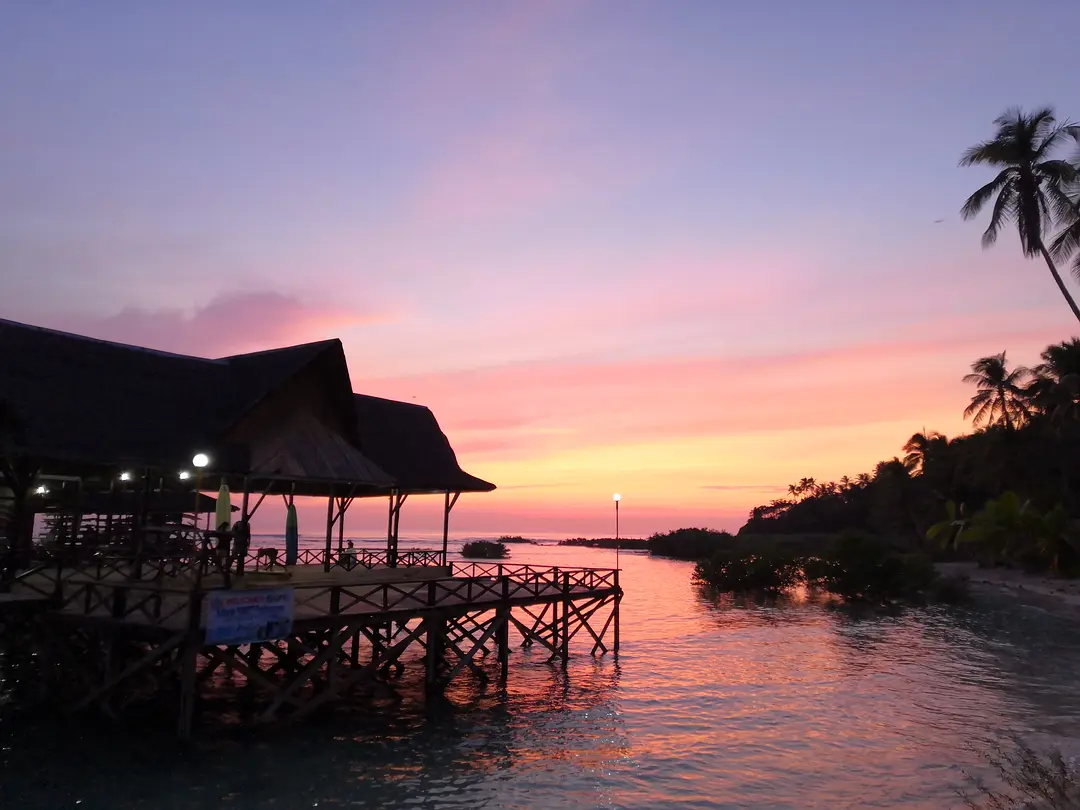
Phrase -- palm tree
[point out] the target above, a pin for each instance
(1001, 398)
(1055, 387)
(1067, 243)
(919, 446)
(1031, 186)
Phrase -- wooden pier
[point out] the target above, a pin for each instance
(122, 632)
(119, 593)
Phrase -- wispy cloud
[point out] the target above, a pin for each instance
(227, 324)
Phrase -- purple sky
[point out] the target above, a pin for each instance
(539, 217)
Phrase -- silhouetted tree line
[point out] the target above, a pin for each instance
(1027, 443)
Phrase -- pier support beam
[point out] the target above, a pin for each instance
(185, 718)
(397, 500)
(448, 504)
(113, 643)
(434, 632)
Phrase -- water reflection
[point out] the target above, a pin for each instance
(714, 702)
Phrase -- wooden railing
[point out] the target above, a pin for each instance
(475, 586)
(257, 559)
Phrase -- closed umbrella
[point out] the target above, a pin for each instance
(292, 536)
(223, 510)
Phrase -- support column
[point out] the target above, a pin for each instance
(242, 539)
(189, 654)
(434, 629)
(565, 618)
(341, 525)
(393, 521)
(618, 599)
(502, 635)
(447, 506)
(329, 531)
(391, 552)
(398, 501)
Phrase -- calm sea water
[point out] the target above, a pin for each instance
(712, 703)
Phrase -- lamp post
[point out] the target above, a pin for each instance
(198, 461)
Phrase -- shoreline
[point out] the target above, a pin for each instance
(1061, 595)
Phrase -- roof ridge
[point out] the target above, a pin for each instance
(395, 401)
(294, 347)
(116, 343)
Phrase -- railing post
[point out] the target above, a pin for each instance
(566, 618)
(335, 600)
(615, 621)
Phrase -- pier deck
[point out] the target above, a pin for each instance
(115, 625)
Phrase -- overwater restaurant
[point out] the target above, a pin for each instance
(128, 483)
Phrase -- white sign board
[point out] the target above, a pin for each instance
(244, 617)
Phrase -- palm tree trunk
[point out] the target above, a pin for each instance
(1061, 284)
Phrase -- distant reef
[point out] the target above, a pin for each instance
(516, 538)
(606, 542)
(681, 544)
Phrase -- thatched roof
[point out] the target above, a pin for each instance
(406, 441)
(73, 399)
(285, 415)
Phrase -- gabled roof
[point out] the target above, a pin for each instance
(406, 441)
(77, 399)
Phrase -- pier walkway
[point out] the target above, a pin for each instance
(119, 624)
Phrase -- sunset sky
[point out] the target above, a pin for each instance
(687, 251)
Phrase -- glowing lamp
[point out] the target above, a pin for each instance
(200, 460)
(41, 490)
(616, 497)
(125, 476)
(184, 475)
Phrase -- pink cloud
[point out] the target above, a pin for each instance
(228, 324)
(525, 410)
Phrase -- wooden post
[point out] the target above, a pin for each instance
(434, 629)
(618, 598)
(566, 617)
(189, 653)
(329, 531)
(445, 526)
(354, 653)
(399, 499)
(341, 525)
(244, 517)
(390, 529)
(503, 634)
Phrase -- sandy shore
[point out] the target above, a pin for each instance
(1050, 592)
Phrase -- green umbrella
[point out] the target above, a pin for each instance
(223, 511)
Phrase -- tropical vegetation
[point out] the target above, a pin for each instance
(484, 550)
(852, 565)
(1023, 778)
(1034, 189)
(1009, 492)
(689, 544)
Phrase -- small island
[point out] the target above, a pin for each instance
(485, 550)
